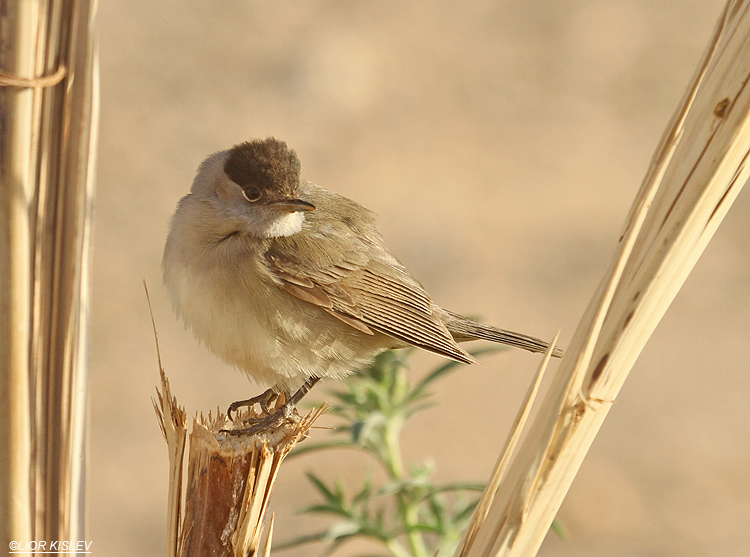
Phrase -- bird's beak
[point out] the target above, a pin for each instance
(294, 205)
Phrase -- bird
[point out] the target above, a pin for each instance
(290, 282)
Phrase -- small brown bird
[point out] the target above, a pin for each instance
(290, 282)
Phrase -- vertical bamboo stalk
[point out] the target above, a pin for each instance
(18, 176)
(48, 117)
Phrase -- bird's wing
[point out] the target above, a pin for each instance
(354, 279)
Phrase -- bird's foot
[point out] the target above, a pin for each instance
(269, 422)
(264, 400)
(285, 409)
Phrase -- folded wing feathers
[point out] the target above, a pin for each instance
(389, 301)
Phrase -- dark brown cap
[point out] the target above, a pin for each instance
(266, 169)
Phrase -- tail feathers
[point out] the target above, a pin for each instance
(464, 329)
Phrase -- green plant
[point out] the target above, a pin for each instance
(409, 514)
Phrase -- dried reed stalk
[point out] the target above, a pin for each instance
(695, 175)
(229, 481)
(48, 93)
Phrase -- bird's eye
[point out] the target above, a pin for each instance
(252, 194)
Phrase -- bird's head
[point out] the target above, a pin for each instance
(256, 183)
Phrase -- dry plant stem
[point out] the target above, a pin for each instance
(695, 175)
(229, 481)
(229, 484)
(173, 424)
(490, 490)
(265, 549)
(49, 103)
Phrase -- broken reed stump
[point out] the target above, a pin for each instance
(230, 479)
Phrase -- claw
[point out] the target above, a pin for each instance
(263, 400)
(271, 421)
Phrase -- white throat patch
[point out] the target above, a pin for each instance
(286, 225)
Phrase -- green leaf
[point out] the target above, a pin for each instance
(346, 398)
(450, 366)
(364, 494)
(425, 528)
(465, 513)
(414, 408)
(461, 486)
(340, 489)
(559, 529)
(318, 483)
(327, 509)
(321, 446)
(299, 541)
(343, 529)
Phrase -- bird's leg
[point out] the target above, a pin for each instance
(263, 400)
(279, 416)
(303, 390)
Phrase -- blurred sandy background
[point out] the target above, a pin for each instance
(502, 144)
